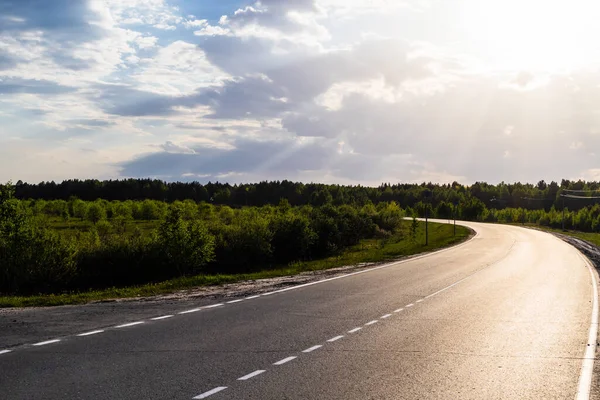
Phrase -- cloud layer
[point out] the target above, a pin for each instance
(319, 90)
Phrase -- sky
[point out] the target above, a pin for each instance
(333, 91)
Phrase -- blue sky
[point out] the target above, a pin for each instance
(346, 91)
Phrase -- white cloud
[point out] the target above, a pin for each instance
(146, 42)
(164, 26)
(211, 30)
(195, 23)
(177, 69)
(157, 13)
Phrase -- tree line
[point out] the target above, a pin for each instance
(503, 195)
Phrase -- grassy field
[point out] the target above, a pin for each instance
(372, 250)
(74, 226)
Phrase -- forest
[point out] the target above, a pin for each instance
(503, 195)
(96, 234)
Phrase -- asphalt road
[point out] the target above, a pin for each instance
(503, 316)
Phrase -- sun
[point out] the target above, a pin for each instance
(534, 34)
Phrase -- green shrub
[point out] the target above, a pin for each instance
(244, 245)
(292, 237)
(185, 247)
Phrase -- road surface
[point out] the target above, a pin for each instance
(506, 315)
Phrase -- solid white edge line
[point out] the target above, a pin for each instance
(235, 301)
(129, 324)
(333, 339)
(46, 342)
(214, 305)
(385, 316)
(252, 297)
(371, 322)
(318, 346)
(374, 268)
(587, 366)
(285, 360)
(5, 351)
(252, 375)
(91, 333)
(163, 317)
(210, 392)
(355, 329)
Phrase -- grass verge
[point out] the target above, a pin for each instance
(368, 251)
(591, 237)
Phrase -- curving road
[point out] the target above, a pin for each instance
(505, 315)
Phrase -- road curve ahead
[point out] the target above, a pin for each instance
(504, 316)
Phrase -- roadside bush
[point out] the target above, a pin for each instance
(32, 259)
(389, 217)
(243, 246)
(184, 247)
(178, 248)
(35, 261)
(292, 238)
(117, 262)
(329, 237)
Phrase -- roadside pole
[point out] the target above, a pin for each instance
(563, 212)
(454, 212)
(426, 225)
(427, 197)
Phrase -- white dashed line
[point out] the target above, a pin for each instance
(190, 311)
(46, 342)
(252, 297)
(398, 310)
(371, 322)
(420, 300)
(312, 348)
(214, 305)
(409, 305)
(129, 324)
(251, 375)
(235, 301)
(386, 316)
(163, 317)
(5, 351)
(210, 392)
(454, 284)
(354, 330)
(333, 339)
(285, 360)
(91, 333)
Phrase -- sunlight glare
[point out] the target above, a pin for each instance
(534, 34)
